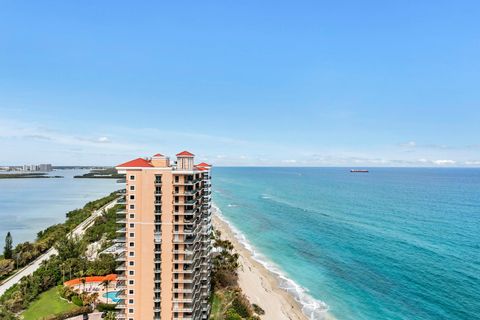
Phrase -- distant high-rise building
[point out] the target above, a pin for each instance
(35, 167)
(45, 167)
(165, 229)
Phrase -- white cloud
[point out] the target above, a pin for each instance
(103, 140)
(289, 161)
(444, 162)
(409, 144)
(472, 163)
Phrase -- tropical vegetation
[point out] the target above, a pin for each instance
(70, 262)
(228, 301)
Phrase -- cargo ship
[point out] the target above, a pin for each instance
(359, 170)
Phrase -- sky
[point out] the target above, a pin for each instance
(243, 83)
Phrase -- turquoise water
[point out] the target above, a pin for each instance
(390, 244)
(112, 296)
(30, 205)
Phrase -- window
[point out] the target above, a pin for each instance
(132, 216)
(131, 234)
(130, 310)
(132, 197)
(131, 263)
(132, 206)
(130, 301)
(131, 273)
(131, 254)
(132, 177)
(130, 291)
(132, 188)
(132, 225)
(131, 282)
(132, 244)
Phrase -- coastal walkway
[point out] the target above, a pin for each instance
(33, 266)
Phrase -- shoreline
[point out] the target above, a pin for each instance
(259, 284)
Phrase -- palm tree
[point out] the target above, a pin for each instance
(110, 316)
(94, 297)
(83, 281)
(105, 283)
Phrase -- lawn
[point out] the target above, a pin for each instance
(48, 303)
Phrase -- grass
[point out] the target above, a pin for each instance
(222, 299)
(48, 303)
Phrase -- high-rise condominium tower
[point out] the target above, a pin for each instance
(165, 232)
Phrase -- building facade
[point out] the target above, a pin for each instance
(164, 268)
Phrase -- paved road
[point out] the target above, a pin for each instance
(78, 231)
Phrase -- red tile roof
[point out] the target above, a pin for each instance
(139, 162)
(110, 277)
(203, 164)
(201, 168)
(158, 155)
(185, 154)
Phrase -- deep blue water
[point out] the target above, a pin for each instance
(30, 205)
(390, 244)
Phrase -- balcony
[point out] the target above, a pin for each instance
(121, 221)
(123, 230)
(120, 240)
(190, 211)
(121, 287)
(177, 308)
(122, 201)
(183, 290)
(158, 237)
(185, 192)
(122, 267)
(183, 300)
(185, 203)
(121, 305)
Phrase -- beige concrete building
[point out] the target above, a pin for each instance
(164, 269)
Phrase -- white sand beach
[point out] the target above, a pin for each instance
(260, 285)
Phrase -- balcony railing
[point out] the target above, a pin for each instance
(121, 267)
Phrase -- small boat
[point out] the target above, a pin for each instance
(359, 170)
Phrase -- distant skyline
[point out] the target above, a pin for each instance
(270, 83)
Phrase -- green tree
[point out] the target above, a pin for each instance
(69, 247)
(6, 266)
(8, 250)
(105, 283)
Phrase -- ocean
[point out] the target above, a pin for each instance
(30, 205)
(394, 243)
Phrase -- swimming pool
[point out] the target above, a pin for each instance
(112, 296)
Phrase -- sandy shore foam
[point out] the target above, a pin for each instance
(264, 284)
